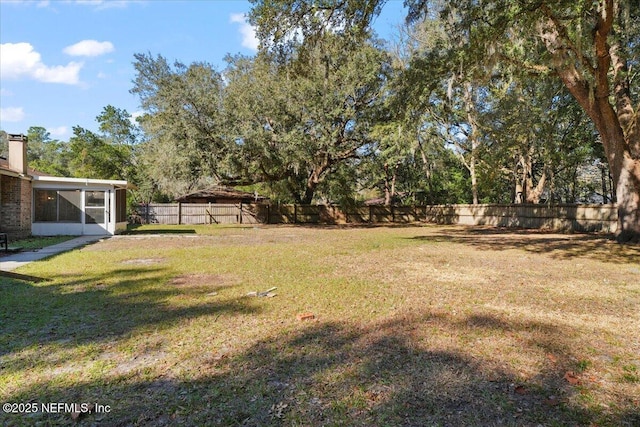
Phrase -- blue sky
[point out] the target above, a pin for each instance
(62, 61)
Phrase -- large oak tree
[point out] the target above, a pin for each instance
(301, 115)
(593, 47)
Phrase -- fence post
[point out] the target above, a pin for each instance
(371, 214)
(295, 213)
(146, 213)
(179, 213)
(240, 211)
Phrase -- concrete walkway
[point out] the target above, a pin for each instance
(11, 262)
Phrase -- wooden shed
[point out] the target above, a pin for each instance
(222, 195)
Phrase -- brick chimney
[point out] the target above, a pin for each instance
(18, 153)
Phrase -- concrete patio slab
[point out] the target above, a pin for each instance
(12, 262)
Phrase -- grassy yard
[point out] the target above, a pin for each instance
(412, 326)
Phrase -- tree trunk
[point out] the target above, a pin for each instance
(315, 177)
(473, 136)
(387, 189)
(619, 126)
(624, 168)
(393, 183)
(534, 193)
(472, 172)
(310, 189)
(626, 180)
(604, 178)
(427, 170)
(389, 184)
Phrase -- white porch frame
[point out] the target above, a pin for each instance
(83, 185)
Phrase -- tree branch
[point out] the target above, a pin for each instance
(561, 30)
(602, 50)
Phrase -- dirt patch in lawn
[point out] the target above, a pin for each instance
(202, 280)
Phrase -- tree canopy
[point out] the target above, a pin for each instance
(476, 101)
(591, 47)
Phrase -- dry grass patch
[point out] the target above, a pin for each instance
(412, 326)
(202, 280)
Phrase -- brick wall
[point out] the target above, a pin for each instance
(15, 207)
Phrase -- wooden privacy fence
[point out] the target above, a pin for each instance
(187, 213)
(556, 217)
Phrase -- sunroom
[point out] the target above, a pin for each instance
(78, 206)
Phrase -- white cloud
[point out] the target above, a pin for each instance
(38, 3)
(68, 74)
(5, 92)
(11, 114)
(133, 118)
(89, 48)
(249, 38)
(20, 60)
(58, 131)
(97, 4)
(106, 4)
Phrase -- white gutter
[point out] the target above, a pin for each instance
(81, 181)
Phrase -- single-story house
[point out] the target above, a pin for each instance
(32, 203)
(222, 195)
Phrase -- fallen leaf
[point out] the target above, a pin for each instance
(521, 390)
(552, 401)
(552, 358)
(571, 378)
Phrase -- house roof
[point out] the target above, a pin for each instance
(82, 181)
(6, 170)
(221, 192)
(36, 175)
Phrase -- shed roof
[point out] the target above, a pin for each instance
(221, 192)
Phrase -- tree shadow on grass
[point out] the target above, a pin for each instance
(24, 277)
(558, 246)
(336, 373)
(89, 310)
(136, 230)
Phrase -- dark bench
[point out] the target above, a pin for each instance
(4, 241)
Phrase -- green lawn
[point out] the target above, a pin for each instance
(412, 326)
